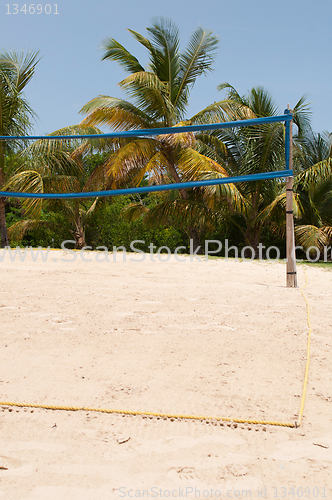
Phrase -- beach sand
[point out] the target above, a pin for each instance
(213, 339)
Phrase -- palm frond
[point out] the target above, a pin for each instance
(277, 208)
(129, 158)
(302, 115)
(117, 113)
(181, 213)
(153, 169)
(214, 113)
(194, 165)
(17, 231)
(134, 211)
(316, 173)
(28, 182)
(19, 67)
(92, 208)
(143, 41)
(114, 51)
(165, 61)
(311, 236)
(151, 95)
(196, 60)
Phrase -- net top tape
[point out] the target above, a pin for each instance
(156, 131)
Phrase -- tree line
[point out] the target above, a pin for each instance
(158, 96)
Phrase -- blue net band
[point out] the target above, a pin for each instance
(151, 189)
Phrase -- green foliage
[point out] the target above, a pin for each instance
(109, 228)
(52, 230)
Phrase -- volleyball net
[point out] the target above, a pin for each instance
(287, 118)
(287, 173)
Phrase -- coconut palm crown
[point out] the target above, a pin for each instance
(313, 188)
(250, 150)
(159, 96)
(58, 166)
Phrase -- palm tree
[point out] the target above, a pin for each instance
(55, 166)
(159, 98)
(250, 150)
(16, 70)
(313, 188)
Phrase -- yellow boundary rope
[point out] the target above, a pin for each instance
(305, 382)
(152, 414)
(190, 417)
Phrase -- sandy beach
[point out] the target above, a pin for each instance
(214, 339)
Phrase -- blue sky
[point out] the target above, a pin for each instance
(283, 45)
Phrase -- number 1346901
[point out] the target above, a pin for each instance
(32, 8)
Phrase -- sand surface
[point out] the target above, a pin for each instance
(216, 338)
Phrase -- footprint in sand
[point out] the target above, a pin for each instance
(237, 470)
(182, 473)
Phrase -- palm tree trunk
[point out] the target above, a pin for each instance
(3, 226)
(252, 237)
(193, 233)
(194, 236)
(79, 232)
(79, 239)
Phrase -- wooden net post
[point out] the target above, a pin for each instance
(291, 276)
